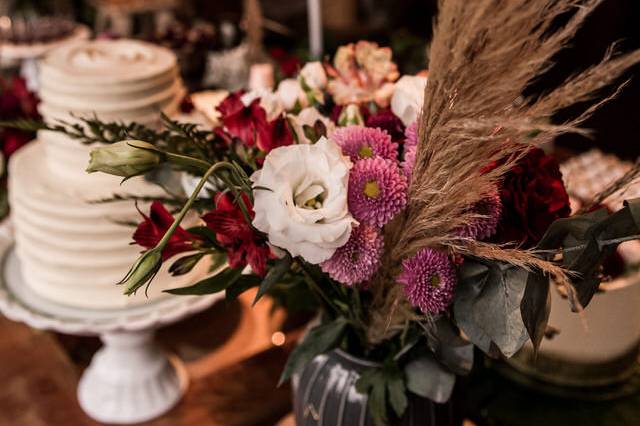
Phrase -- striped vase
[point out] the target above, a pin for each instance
(325, 395)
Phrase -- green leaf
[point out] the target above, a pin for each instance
(536, 307)
(206, 233)
(210, 285)
(372, 382)
(274, 275)
(587, 240)
(384, 385)
(320, 339)
(185, 264)
(428, 379)
(244, 283)
(487, 305)
(397, 391)
(449, 348)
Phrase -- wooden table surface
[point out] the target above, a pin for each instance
(232, 365)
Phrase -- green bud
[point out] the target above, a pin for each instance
(126, 158)
(143, 271)
(350, 116)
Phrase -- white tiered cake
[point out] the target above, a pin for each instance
(72, 251)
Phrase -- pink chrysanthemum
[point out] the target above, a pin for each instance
(358, 259)
(491, 210)
(410, 147)
(377, 191)
(359, 142)
(429, 280)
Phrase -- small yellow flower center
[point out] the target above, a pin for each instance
(435, 281)
(365, 151)
(371, 189)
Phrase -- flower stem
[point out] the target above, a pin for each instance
(185, 161)
(211, 170)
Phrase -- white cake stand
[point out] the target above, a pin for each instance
(130, 380)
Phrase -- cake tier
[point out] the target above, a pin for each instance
(123, 80)
(73, 252)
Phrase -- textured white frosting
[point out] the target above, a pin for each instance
(73, 251)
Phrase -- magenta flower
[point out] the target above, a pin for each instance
(429, 280)
(491, 209)
(358, 259)
(410, 148)
(377, 191)
(359, 142)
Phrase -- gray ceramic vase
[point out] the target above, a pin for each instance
(325, 395)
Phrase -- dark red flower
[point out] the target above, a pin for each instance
(242, 122)
(386, 120)
(288, 64)
(153, 227)
(16, 101)
(274, 134)
(186, 105)
(533, 196)
(13, 140)
(243, 244)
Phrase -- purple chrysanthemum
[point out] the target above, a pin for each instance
(429, 279)
(359, 142)
(358, 259)
(377, 191)
(491, 210)
(410, 147)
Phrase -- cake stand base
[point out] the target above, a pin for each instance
(131, 379)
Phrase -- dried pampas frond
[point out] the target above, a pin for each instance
(483, 56)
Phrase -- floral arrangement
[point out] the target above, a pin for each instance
(422, 214)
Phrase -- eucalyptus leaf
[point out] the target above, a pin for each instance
(449, 348)
(210, 285)
(428, 379)
(274, 275)
(487, 305)
(536, 307)
(587, 240)
(320, 339)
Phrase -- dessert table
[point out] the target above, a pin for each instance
(232, 366)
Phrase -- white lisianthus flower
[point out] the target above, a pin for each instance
(408, 97)
(268, 100)
(300, 199)
(308, 117)
(289, 92)
(314, 75)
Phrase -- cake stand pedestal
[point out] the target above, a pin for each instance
(131, 379)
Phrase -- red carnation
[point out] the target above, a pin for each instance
(244, 246)
(386, 120)
(151, 230)
(241, 121)
(533, 197)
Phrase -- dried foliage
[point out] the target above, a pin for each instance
(483, 55)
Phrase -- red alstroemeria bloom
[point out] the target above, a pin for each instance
(242, 121)
(153, 227)
(274, 134)
(244, 246)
